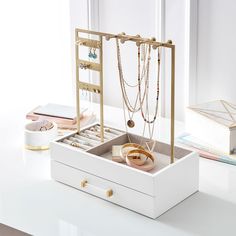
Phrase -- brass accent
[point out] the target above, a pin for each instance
(83, 183)
(36, 148)
(90, 65)
(101, 93)
(109, 193)
(84, 66)
(77, 83)
(88, 42)
(172, 114)
(125, 36)
(89, 87)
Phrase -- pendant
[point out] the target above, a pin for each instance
(130, 123)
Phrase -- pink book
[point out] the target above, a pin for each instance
(63, 115)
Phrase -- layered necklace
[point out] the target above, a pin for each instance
(132, 109)
(141, 99)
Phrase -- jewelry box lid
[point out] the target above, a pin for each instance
(220, 111)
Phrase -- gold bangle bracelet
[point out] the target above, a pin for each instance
(126, 148)
(142, 164)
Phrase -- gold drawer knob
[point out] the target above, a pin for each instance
(83, 183)
(109, 193)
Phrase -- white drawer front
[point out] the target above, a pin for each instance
(103, 188)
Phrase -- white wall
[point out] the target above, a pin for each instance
(133, 17)
(175, 18)
(216, 64)
(35, 57)
(143, 17)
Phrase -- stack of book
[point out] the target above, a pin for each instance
(205, 149)
(64, 116)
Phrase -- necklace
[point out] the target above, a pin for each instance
(131, 109)
(143, 74)
(151, 123)
(145, 118)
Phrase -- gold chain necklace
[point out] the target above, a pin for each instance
(131, 109)
(145, 118)
(144, 75)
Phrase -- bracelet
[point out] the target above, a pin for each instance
(140, 159)
(128, 147)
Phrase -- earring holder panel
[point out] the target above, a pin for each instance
(90, 87)
(88, 42)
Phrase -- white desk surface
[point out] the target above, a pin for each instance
(32, 202)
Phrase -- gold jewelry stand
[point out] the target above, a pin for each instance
(99, 67)
(91, 66)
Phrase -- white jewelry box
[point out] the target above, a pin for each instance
(214, 123)
(149, 193)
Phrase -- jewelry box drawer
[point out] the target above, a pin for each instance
(105, 189)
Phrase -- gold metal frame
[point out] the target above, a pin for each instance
(99, 67)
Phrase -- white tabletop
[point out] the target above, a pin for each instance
(32, 202)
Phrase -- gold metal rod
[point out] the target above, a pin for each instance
(127, 37)
(88, 42)
(101, 91)
(77, 83)
(172, 126)
(89, 87)
(90, 65)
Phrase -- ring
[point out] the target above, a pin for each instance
(108, 130)
(93, 129)
(75, 144)
(43, 128)
(128, 147)
(46, 126)
(139, 159)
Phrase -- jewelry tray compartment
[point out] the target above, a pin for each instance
(183, 173)
(161, 151)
